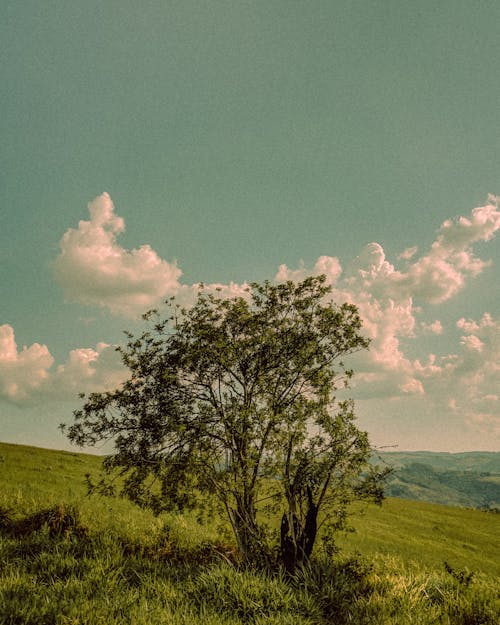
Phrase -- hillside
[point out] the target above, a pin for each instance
(470, 480)
(66, 558)
(419, 532)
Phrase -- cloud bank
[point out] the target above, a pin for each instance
(399, 306)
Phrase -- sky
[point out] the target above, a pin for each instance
(147, 147)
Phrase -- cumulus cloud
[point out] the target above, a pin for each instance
(436, 327)
(443, 271)
(21, 372)
(437, 275)
(482, 336)
(390, 300)
(29, 374)
(327, 265)
(88, 370)
(408, 253)
(474, 391)
(457, 389)
(94, 269)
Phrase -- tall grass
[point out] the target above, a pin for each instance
(60, 572)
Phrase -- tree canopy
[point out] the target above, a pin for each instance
(236, 400)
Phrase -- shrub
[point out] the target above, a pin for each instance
(58, 520)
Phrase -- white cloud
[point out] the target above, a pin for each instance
(328, 265)
(93, 269)
(28, 374)
(412, 386)
(436, 276)
(444, 402)
(472, 343)
(441, 273)
(477, 373)
(408, 253)
(436, 327)
(21, 372)
(88, 370)
(458, 388)
(370, 268)
(389, 300)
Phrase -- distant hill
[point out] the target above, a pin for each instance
(466, 461)
(469, 479)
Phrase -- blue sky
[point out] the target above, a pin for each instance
(240, 141)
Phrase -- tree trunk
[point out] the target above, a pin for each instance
(310, 526)
(251, 543)
(297, 539)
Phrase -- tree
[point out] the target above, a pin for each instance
(236, 399)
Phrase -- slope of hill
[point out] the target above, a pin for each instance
(69, 558)
(34, 478)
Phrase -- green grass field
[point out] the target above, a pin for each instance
(73, 559)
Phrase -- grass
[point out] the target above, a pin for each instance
(69, 559)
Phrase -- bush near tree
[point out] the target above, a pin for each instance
(235, 401)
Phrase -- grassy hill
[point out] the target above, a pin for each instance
(69, 558)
